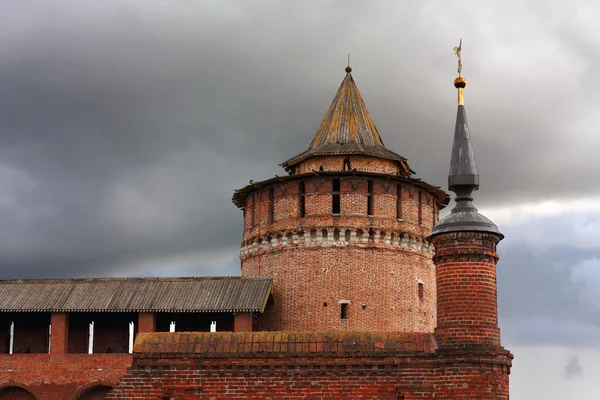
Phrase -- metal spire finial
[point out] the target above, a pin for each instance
(463, 178)
(460, 83)
(348, 69)
(457, 51)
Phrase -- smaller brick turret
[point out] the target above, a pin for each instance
(465, 254)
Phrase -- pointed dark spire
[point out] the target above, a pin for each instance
(463, 178)
(462, 164)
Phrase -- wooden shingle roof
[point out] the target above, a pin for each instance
(347, 128)
(277, 344)
(233, 294)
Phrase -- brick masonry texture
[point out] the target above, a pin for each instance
(375, 262)
(467, 298)
(309, 365)
(50, 377)
(372, 263)
(359, 163)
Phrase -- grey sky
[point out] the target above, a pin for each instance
(126, 125)
(573, 369)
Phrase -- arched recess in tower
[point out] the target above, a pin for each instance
(94, 393)
(15, 393)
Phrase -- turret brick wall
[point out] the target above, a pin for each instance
(373, 263)
(466, 289)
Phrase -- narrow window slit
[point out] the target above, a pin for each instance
(420, 207)
(370, 197)
(302, 205)
(344, 311)
(399, 202)
(335, 205)
(271, 205)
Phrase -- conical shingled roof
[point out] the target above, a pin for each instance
(346, 129)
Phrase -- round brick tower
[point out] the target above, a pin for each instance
(343, 235)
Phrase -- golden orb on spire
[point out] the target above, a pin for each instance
(460, 82)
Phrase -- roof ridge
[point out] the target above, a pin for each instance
(129, 279)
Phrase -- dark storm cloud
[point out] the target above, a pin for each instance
(548, 279)
(126, 125)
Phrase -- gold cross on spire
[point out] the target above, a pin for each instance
(459, 82)
(457, 51)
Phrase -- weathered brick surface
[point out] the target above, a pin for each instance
(60, 334)
(243, 322)
(146, 322)
(309, 365)
(356, 162)
(50, 377)
(466, 287)
(258, 223)
(374, 261)
(381, 285)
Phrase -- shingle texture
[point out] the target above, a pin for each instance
(347, 128)
(136, 294)
(284, 343)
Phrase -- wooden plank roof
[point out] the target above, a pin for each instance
(276, 344)
(231, 294)
(347, 128)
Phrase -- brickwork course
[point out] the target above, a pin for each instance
(367, 293)
(310, 365)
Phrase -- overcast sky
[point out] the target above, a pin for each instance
(126, 125)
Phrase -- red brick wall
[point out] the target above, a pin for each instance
(60, 333)
(242, 322)
(309, 366)
(375, 261)
(381, 285)
(360, 163)
(50, 377)
(318, 201)
(466, 286)
(146, 322)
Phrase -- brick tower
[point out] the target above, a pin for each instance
(465, 258)
(343, 235)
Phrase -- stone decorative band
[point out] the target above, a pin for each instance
(330, 236)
